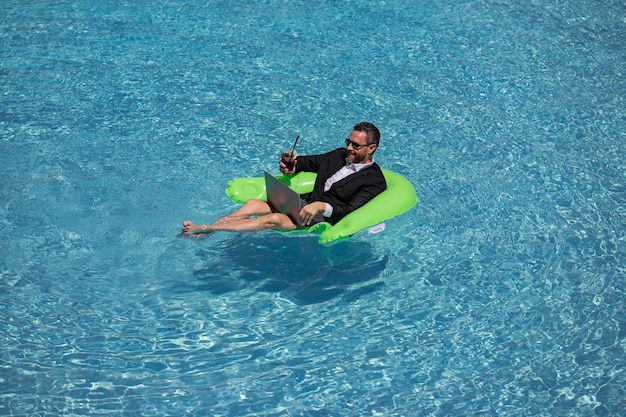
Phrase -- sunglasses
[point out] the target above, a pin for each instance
(355, 146)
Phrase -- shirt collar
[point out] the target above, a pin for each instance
(358, 167)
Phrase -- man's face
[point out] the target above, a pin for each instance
(363, 153)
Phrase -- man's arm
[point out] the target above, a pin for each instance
(329, 162)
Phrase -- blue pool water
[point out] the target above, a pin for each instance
(501, 293)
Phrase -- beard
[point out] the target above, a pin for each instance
(354, 158)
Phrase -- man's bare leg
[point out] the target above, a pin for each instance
(269, 221)
(241, 220)
(249, 209)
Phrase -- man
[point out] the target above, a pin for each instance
(347, 178)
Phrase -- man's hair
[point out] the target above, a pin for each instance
(371, 132)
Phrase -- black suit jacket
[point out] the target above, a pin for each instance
(346, 195)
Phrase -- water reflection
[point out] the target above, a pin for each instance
(297, 267)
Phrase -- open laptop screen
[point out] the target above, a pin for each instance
(282, 198)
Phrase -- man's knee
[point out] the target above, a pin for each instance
(254, 203)
(253, 207)
(278, 221)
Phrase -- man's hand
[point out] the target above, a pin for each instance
(308, 212)
(283, 167)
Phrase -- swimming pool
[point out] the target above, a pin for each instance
(501, 293)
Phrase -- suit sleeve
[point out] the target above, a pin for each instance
(312, 163)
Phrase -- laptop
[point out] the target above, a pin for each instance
(282, 198)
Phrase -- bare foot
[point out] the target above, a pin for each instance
(191, 230)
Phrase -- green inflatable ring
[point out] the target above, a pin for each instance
(398, 198)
